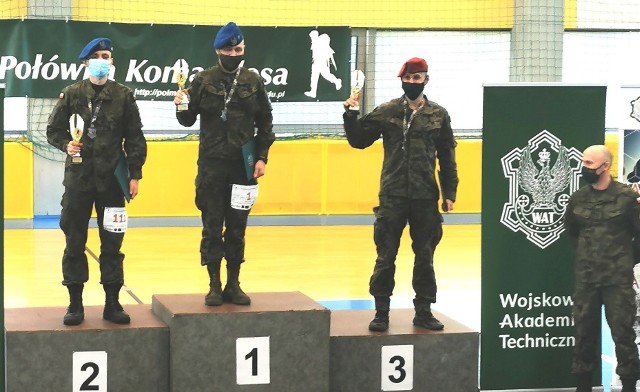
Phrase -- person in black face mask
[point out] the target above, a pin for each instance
(234, 111)
(603, 221)
(415, 130)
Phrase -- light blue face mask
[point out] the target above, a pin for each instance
(99, 68)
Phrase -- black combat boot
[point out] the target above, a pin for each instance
(232, 291)
(112, 309)
(75, 311)
(424, 318)
(628, 384)
(583, 382)
(380, 322)
(214, 297)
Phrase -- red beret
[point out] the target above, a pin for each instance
(414, 65)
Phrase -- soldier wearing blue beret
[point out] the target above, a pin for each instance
(106, 114)
(96, 44)
(234, 111)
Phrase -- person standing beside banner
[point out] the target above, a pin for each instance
(232, 103)
(415, 131)
(603, 221)
(91, 122)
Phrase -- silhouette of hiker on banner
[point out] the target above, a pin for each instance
(322, 59)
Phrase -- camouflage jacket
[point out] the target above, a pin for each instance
(409, 172)
(248, 109)
(603, 225)
(117, 121)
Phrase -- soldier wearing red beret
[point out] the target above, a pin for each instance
(414, 130)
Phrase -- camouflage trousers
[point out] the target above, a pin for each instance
(74, 220)
(213, 199)
(620, 311)
(425, 228)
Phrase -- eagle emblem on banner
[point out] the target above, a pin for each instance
(542, 175)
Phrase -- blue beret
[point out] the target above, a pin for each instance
(229, 35)
(95, 45)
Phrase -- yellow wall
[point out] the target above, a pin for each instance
(18, 181)
(304, 177)
(458, 14)
(570, 14)
(11, 9)
(355, 13)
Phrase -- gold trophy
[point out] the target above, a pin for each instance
(357, 83)
(180, 77)
(76, 126)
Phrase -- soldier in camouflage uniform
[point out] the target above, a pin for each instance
(414, 132)
(110, 117)
(603, 219)
(232, 102)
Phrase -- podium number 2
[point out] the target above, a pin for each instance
(397, 368)
(252, 361)
(90, 371)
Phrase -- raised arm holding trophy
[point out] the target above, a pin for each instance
(408, 191)
(232, 101)
(180, 77)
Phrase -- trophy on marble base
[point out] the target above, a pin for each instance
(76, 126)
(357, 83)
(180, 77)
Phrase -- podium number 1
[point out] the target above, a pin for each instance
(252, 361)
(90, 371)
(397, 368)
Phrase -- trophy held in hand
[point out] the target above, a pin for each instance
(180, 77)
(357, 83)
(76, 127)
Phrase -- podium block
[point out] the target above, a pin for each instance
(278, 343)
(42, 354)
(404, 358)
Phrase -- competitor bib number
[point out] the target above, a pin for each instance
(115, 219)
(243, 196)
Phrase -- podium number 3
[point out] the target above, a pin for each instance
(397, 368)
(253, 361)
(90, 371)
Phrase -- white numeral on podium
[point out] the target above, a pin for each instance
(397, 368)
(90, 371)
(252, 361)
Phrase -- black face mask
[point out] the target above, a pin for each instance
(591, 176)
(412, 90)
(230, 63)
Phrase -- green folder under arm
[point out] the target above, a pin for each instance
(249, 157)
(122, 176)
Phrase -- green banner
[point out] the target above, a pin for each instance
(533, 138)
(40, 57)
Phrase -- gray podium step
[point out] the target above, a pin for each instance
(278, 343)
(404, 358)
(42, 354)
